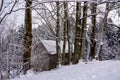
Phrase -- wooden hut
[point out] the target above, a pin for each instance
(40, 59)
(44, 55)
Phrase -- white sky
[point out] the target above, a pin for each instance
(19, 15)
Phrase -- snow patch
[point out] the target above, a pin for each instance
(96, 70)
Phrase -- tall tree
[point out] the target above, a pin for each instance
(84, 29)
(77, 44)
(27, 37)
(69, 39)
(0, 55)
(103, 28)
(93, 20)
(64, 32)
(58, 51)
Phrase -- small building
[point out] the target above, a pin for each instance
(44, 55)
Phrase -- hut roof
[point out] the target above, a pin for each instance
(50, 45)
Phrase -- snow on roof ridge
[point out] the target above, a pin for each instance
(50, 45)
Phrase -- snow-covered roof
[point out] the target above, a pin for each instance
(50, 45)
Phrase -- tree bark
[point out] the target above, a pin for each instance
(93, 41)
(101, 32)
(0, 56)
(58, 50)
(64, 32)
(69, 40)
(77, 44)
(84, 30)
(27, 37)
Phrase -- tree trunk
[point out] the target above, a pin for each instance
(77, 44)
(84, 29)
(93, 42)
(69, 40)
(101, 32)
(65, 32)
(58, 51)
(0, 57)
(27, 37)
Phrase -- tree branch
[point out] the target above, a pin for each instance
(8, 12)
(1, 5)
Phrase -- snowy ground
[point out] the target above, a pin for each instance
(104, 70)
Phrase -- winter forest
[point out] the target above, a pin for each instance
(53, 36)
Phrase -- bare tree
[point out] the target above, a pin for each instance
(27, 37)
(77, 44)
(1, 38)
(84, 29)
(64, 32)
(58, 51)
(69, 38)
(93, 33)
(101, 31)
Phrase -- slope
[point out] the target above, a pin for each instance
(103, 70)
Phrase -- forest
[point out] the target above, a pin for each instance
(42, 35)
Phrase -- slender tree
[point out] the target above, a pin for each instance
(69, 39)
(58, 51)
(77, 44)
(27, 37)
(84, 29)
(102, 30)
(0, 56)
(93, 20)
(64, 32)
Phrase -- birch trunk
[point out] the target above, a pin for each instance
(58, 50)
(64, 32)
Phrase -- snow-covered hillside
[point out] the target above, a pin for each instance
(103, 70)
